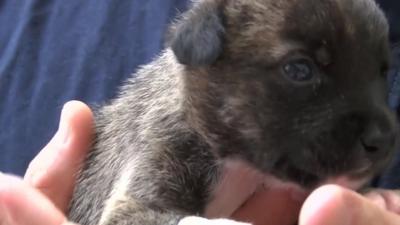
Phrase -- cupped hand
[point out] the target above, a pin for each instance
(328, 205)
(43, 196)
(271, 207)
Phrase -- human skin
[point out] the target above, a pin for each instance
(43, 195)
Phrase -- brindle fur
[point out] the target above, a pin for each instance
(218, 92)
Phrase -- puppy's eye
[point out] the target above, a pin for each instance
(299, 70)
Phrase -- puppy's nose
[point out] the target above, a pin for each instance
(378, 141)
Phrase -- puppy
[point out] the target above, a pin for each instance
(248, 94)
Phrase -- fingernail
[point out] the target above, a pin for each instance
(51, 153)
(63, 126)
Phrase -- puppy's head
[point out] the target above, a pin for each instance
(295, 87)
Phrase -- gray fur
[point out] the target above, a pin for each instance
(160, 146)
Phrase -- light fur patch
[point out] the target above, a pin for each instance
(194, 220)
(118, 195)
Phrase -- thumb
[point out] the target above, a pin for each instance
(53, 170)
(331, 205)
(21, 204)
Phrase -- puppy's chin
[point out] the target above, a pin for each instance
(347, 182)
(310, 179)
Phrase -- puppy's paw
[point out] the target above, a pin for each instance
(386, 199)
(194, 220)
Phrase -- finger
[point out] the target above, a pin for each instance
(385, 199)
(271, 207)
(332, 205)
(53, 170)
(21, 204)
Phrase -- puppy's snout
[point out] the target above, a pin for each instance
(377, 140)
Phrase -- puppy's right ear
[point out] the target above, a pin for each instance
(197, 38)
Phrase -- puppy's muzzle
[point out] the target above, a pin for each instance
(377, 141)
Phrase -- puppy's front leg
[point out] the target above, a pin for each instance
(194, 220)
(140, 216)
(134, 215)
(127, 212)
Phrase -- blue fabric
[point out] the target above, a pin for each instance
(392, 10)
(391, 179)
(52, 51)
(394, 80)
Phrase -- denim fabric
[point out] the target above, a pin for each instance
(392, 11)
(52, 51)
(391, 178)
(394, 79)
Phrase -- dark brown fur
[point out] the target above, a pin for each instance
(219, 92)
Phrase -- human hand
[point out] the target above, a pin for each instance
(272, 207)
(44, 195)
(333, 205)
(328, 205)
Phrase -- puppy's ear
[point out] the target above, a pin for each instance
(197, 38)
